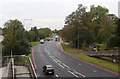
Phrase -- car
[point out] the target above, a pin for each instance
(48, 69)
(48, 39)
(42, 41)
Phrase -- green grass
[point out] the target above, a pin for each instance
(102, 63)
(69, 49)
(33, 43)
(47, 38)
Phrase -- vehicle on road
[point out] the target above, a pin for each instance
(48, 39)
(42, 41)
(48, 69)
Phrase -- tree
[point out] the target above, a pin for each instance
(44, 32)
(14, 39)
(36, 33)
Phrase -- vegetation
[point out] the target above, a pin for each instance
(15, 39)
(69, 49)
(93, 27)
(34, 43)
(36, 34)
(102, 63)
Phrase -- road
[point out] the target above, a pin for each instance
(64, 65)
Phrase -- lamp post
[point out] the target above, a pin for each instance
(24, 22)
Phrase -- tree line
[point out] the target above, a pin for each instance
(17, 39)
(84, 28)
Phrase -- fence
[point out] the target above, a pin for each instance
(103, 53)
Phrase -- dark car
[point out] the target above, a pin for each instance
(48, 39)
(48, 69)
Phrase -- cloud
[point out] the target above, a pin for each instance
(49, 13)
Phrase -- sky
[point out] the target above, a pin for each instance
(47, 13)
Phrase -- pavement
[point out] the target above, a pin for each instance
(64, 64)
(21, 71)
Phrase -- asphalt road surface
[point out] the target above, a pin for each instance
(63, 64)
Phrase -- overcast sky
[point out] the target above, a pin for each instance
(47, 13)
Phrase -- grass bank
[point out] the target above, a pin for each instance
(102, 63)
(47, 38)
(69, 49)
(33, 43)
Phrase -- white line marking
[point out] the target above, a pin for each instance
(72, 73)
(54, 60)
(65, 65)
(79, 73)
(60, 65)
(94, 70)
(56, 75)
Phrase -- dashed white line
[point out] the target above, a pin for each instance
(60, 65)
(72, 73)
(79, 73)
(56, 75)
(94, 70)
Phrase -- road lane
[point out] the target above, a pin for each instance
(42, 58)
(82, 67)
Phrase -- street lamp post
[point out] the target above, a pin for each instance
(24, 22)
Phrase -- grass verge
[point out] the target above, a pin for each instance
(33, 43)
(47, 38)
(102, 63)
(69, 49)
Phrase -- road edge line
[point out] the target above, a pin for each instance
(33, 60)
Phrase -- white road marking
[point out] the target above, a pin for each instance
(56, 75)
(60, 65)
(79, 73)
(94, 70)
(72, 73)
(38, 75)
(65, 65)
(54, 60)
